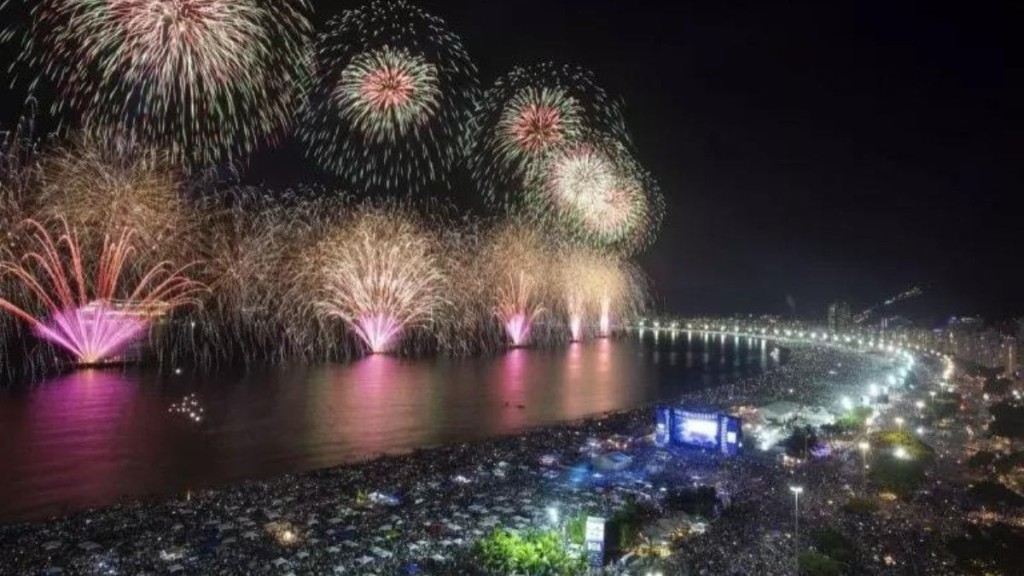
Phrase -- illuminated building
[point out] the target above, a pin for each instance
(839, 317)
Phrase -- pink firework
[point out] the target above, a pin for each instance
(534, 122)
(388, 94)
(517, 309)
(388, 87)
(380, 273)
(537, 127)
(518, 326)
(378, 331)
(576, 327)
(593, 285)
(92, 334)
(576, 306)
(202, 81)
(584, 183)
(91, 316)
(605, 321)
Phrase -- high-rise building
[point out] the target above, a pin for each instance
(840, 317)
(1010, 345)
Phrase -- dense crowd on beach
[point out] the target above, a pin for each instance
(421, 513)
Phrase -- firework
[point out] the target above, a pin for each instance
(380, 273)
(19, 172)
(469, 323)
(203, 80)
(94, 317)
(242, 246)
(598, 285)
(19, 154)
(595, 192)
(517, 307)
(529, 114)
(395, 89)
(580, 285)
(516, 262)
(104, 188)
(253, 252)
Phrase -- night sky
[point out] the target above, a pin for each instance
(807, 151)
(816, 150)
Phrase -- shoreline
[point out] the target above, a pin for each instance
(153, 499)
(632, 378)
(486, 483)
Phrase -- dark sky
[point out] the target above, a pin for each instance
(811, 150)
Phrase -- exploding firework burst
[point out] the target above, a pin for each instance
(529, 114)
(94, 317)
(381, 274)
(394, 91)
(202, 80)
(387, 94)
(536, 121)
(596, 192)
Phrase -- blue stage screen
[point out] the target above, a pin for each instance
(706, 430)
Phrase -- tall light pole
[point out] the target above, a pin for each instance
(796, 490)
(899, 423)
(864, 446)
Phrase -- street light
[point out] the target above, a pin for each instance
(899, 423)
(864, 447)
(797, 491)
(847, 403)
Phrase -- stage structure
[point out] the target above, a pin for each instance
(698, 429)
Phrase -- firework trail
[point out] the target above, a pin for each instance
(517, 307)
(529, 114)
(516, 262)
(103, 188)
(580, 274)
(394, 92)
(252, 251)
(202, 80)
(621, 292)
(594, 192)
(19, 171)
(598, 285)
(242, 253)
(20, 151)
(94, 317)
(381, 274)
